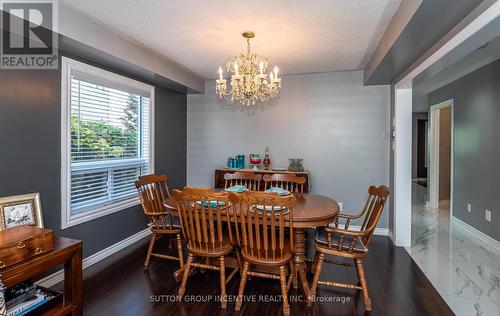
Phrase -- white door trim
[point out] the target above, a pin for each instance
(402, 147)
(434, 113)
(402, 166)
(435, 117)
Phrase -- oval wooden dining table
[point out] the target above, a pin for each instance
(312, 211)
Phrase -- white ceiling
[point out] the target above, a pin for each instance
(300, 36)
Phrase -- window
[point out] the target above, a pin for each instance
(106, 141)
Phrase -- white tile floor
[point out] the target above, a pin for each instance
(464, 270)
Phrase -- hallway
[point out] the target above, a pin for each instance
(464, 269)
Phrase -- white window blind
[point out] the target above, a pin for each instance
(109, 139)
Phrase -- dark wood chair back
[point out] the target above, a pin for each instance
(287, 181)
(248, 179)
(350, 244)
(261, 220)
(205, 219)
(372, 210)
(377, 196)
(153, 190)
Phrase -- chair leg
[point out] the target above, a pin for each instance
(313, 266)
(223, 282)
(182, 289)
(239, 299)
(284, 292)
(238, 258)
(150, 250)
(361, 275)
(317, 272)
(179, 250)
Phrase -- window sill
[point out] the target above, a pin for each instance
(84, 217)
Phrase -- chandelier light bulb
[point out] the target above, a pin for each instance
(220, 72)
(261, 68)
(276, 72)
(236, 69)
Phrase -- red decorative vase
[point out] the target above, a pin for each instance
(266, 162)
(254, 159)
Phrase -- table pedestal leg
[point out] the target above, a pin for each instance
(299, 260)
(293, 275)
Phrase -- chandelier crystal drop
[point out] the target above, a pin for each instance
(250, 83)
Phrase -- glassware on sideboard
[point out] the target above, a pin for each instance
(254, 160)
(236, 162)
(241, 161)
(296, 164)
(230, 162)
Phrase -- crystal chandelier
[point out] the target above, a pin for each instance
(249, 81)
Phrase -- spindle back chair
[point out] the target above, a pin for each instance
(261, 219)
(153, 190)
(352, 244)
(248, 179)
(206, 227)
(286, 181)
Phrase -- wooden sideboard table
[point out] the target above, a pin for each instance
(219, 176)
(66, 251)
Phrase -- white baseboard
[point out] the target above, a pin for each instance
(381, 231)
(58, 276)
(391, 236)
(480, 235)
(394, 242)
(378, 231)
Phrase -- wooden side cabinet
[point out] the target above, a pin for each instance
(67, 252)
(219, 176)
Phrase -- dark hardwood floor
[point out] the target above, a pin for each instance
(119, 285)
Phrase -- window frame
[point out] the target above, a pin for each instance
(67, 66)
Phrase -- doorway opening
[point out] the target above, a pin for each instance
(420, 152)
(440, 190)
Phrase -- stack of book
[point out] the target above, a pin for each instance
(24, 297)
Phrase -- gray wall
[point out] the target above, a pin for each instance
(30, 159)
(477, 149)
(340, 128)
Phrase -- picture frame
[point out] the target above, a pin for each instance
(19, 210)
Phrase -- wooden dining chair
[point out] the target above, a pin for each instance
(248, 179)
(205, 222)
(351, 244)
(287, 181)
(153, 189)
(260, 231)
